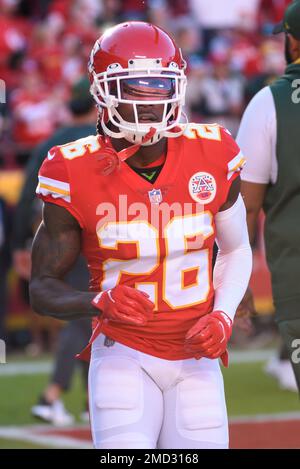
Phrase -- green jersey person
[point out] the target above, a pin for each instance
(269, 137)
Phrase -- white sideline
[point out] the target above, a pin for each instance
(251, 356)
(45, 367)
(28, 433)
(261, 418)
(25, 368)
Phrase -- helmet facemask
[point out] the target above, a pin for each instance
(144, 82)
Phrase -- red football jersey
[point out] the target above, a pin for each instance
(155, 237)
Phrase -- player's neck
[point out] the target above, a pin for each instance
(145, 155)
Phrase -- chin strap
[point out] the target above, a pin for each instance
(110, 159)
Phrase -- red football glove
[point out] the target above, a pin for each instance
(125, 304)
(209, 336)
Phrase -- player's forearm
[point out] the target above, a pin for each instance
(55, 249)
(231, 278)
(234, 261)
(253, 195)
(252, 217)
(53, 297)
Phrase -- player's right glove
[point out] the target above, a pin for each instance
(125, 304)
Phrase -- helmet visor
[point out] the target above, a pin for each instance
(147, 87)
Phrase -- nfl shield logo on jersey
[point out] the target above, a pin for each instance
(202, 187)
(108, 342)
(155, 196)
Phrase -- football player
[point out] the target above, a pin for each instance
(144, 200)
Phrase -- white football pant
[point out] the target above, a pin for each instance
(140, 401)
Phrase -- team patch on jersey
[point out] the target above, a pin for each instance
(202, 187)
(155, 196)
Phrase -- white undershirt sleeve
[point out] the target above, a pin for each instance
(257, 139)
(234, 260)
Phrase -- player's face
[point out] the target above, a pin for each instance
(146, 113)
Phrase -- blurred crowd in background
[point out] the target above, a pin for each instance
(44, 49)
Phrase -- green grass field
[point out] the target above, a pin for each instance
(19, 393)
(14, 444)
(249, 391)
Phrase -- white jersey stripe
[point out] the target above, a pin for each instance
(55, 193)
(54, 183)
(236, 164)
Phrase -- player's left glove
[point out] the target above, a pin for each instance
(209, 336)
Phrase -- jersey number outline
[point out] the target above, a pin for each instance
(207, 131)
(79, 147)
(177, 261)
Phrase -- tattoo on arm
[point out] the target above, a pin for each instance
(55, 250)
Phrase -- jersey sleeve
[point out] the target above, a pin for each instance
(54, 185)
(232, 157)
